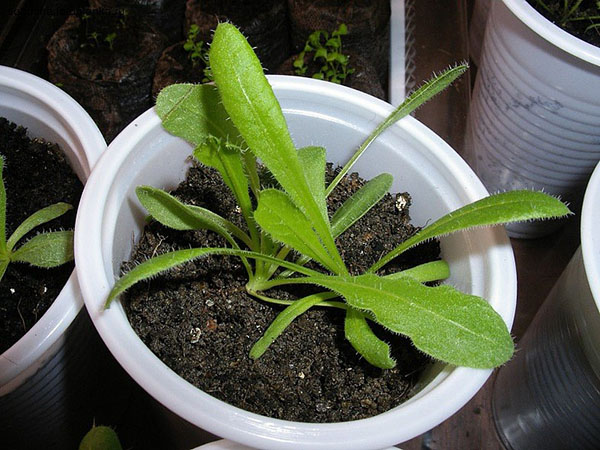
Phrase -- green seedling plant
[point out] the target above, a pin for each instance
(197, 52)
(573, 11)
(237, 121)
(326, 51)
(49, 249)
(95, 39)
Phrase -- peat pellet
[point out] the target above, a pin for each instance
(112, 81)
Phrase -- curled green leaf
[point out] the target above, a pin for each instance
(441, 321)
(365, 342)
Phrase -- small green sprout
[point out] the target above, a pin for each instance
(100, 438)
(123, 16)
(326, 50)
(95, 39)
(238, 121)
(110, 39)
(46, 250)
(197, 52)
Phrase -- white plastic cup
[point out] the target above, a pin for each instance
(534, 121)
(548, 397)
(34, 402)
(338, 118)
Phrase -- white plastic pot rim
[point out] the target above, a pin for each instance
(590, 238)
(553, 33)
(452, 388)
(86, 144)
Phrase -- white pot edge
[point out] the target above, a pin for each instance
(553, 33)
(28, 354)
(459, 383)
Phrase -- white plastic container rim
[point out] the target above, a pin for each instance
(452, 388)
(590, 238)
(34, 101)
(553, 33)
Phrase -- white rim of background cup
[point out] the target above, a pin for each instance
(453, 387)
(553, 33)
(55, 116)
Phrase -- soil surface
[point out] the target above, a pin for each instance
(36, 175)
(199, 320)
(578, 25)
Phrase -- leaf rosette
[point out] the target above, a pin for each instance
(238, 121)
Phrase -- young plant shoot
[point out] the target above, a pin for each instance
(46, 250)
(326, 51)
(238, 121)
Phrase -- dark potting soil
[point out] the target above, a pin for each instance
(200, 321)
(175, 66)
(36, 175)
(577, 27)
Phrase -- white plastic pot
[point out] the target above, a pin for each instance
(110, 219)
(548, 397)
(535, 111)
(32, 371)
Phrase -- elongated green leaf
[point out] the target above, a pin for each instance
(430, 89)
(166, 261)
(283, 221)
(3, 249)
(360, 203)
(38, 218)
(506, 207)
(431, 271)
(227, 159)
(364, 341)
(313, 160)
(194, 112)
(46, 249)
(284, 319)
(447, 324)
(174, 214)
(253, 108)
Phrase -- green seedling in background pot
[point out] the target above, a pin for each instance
(327, 52)
(197, 52)
(45, 250)
(238, 121)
